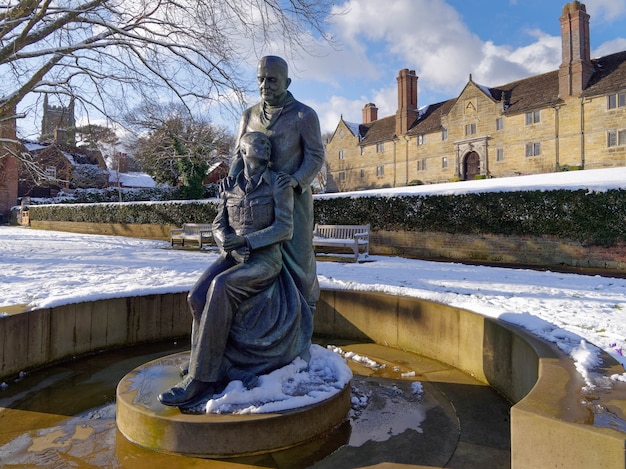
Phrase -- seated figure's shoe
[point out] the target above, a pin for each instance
(188, 393)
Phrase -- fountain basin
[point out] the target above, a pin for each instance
(142, 419)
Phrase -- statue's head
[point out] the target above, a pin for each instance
(255, 146)
(273, 79)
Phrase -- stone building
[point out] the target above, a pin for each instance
(570, 118)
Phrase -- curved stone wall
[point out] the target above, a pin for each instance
(549, 426)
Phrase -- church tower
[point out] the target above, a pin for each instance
(57, 117)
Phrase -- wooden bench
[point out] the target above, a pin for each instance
(199, 233)
(355, 237)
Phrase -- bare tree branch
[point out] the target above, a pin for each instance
(103, 48)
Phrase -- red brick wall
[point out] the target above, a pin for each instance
(8, 173)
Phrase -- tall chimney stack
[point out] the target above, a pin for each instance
(370, 113)
(576, 68)
(407, 100)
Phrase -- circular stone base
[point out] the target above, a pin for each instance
(143, 420)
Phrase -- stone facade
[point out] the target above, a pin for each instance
(570, 118)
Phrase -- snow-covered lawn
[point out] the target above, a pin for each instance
(577, 312)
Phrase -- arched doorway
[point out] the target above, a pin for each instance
(471, 166)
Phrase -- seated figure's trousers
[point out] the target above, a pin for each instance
(215, 299)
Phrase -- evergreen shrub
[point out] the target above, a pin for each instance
(593, 218)
(159, 213)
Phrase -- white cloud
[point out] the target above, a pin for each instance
(606, 10)
(330, 111)
(503, 64)
(379, 38)
(426, 35)
(609, 47)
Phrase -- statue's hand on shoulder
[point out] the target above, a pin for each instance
(286, 180)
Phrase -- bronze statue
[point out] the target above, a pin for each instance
(252, 309)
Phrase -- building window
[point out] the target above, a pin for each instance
(499, 123)
(342, 176)
(51, 173)
(533, 117)
(444, 162)
(533, 149)
(470, 129)
(362, 173)
(380, 147)
(500, 154)
(380, 171)
(616, 138)
(420, 140)
(616, 100)
(444, 134)
(362, 151)
(421, 164)
(342, 155)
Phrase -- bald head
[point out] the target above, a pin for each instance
(273, 80)
(277, 63)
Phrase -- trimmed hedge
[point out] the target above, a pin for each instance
(159, 213)
(593, 218)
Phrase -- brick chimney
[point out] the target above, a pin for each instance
(407, 100)
(576, 68)
(370, 113)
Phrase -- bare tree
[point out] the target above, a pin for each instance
(110, 55)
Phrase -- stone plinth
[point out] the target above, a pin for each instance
(142, 419)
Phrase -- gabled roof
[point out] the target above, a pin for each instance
(74, 155)
(132, 179)
(430, 119)
(354, 128)
(609, 75)
(529, 93)
(378, 131)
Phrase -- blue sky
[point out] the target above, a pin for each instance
(497, 41)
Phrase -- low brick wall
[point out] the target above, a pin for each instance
(545, 252)
(158, 232)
